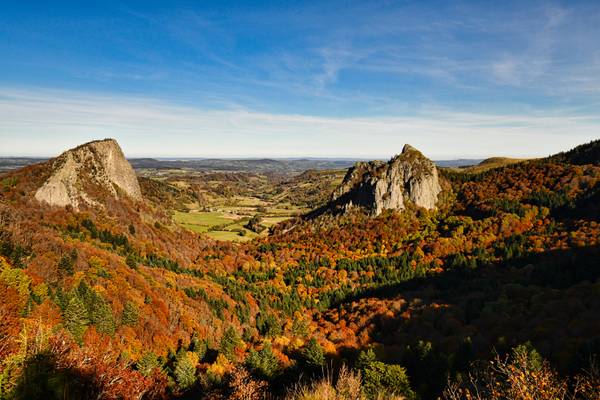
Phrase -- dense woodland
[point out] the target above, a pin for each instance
(494, 295)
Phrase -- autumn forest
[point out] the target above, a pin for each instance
(492, 294)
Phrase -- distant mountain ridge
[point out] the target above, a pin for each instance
(257, 165)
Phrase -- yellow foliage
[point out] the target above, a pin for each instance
(96, 262)
(220, 366)
(282, 341)
(296, 343)
(193, 357)
(16, 278)
(41, 290)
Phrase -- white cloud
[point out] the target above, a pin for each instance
(45, 122)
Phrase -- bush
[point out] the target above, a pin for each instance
(380, 379)
(242, 386)
(347, 387)
(522, 375)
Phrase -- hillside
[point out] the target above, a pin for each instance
(588, 153)
(119, 301)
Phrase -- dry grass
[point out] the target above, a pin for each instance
(348, 386)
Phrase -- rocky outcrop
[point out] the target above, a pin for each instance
(377, 186)
(80, 175)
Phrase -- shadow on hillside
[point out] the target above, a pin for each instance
(42, 379)
(450, 319)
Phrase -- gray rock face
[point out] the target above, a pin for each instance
(377, 186)
(79, 173)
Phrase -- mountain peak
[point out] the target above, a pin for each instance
(80, 174)
(408, 148)
(377, 186)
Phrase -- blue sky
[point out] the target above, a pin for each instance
(300, 78)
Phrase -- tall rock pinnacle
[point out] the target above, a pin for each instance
(79, 174)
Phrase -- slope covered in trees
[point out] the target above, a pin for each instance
(119, 302)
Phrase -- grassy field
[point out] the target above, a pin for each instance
(229, 225)
(232, 236)
(270, 221)
(199, 221)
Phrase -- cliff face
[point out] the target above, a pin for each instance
(377, 186)
(79, 174)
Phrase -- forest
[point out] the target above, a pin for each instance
(494, 295)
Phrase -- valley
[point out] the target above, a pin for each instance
(300, 200)
(194, 279)
(221, 204)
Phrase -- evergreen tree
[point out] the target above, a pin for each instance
(131, 261)
(67, 262)
(76, 318)
(299, 327)
(380, 379)
(147, 363)
(198, 346)
(130, 314)
(263, 362)
(86, 294)
(268, 325)
(229, 341)
(185, 371)
(312, 354)
(527, 355)
(101, 316)
(365, 358)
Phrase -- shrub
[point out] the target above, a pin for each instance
(347, 387)
(522, 375)
(380, 379)
(242, 386)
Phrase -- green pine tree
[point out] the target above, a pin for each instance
(147, 363)
(198, 346)
(229, 341)
(380, 379)
(263, 362)
(313, 355)
(67, 262)
(101, 316)
(130, 314)
(185, 371)
(76, 318)
(365, 358)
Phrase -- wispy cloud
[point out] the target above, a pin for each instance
(45, 122)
